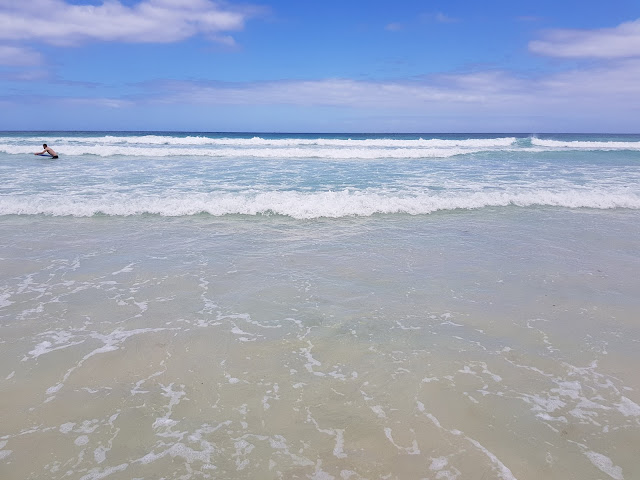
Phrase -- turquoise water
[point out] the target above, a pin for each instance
(319, 306)
(307, 176)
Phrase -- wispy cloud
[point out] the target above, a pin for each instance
(442, 18)
(608, 88)
(394, 27)
(622, 41)
(150, 21)
(437, 17)
(19, 56)
(614, 87)
(588, 98)
(528, 18)
(100, 102)
(24, 76)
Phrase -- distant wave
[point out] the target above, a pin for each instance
(305, 205)
(328, 153)
(272, 142)
(293, 147)
(329, 148)
(585, 145)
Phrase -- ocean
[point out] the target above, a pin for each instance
(292, 306)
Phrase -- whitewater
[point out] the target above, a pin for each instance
(305, 176)
(188, 305)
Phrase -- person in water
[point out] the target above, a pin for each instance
(48, 150)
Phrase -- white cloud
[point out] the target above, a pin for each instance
(442, 18)
(100, 102)
(19, 56)
(394, 27)
(605, 43)
(606, 91)
(577, 100)
(149, 21)
(528, 18)
(437, 17)
(26, 76)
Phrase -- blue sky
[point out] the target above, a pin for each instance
(330, 66)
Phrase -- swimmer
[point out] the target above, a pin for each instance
(48, 150)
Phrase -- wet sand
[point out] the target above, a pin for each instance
(493, 344)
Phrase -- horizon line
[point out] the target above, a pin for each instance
(264, 132)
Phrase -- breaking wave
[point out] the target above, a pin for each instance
(296, 147)
(300, 205)
(330, 148)
(585, 145)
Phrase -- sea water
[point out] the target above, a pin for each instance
(189, 305)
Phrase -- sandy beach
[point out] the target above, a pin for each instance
(451, 346)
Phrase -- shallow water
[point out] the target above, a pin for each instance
(497, 343)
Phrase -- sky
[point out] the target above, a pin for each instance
(320, 66)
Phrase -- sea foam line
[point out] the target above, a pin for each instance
(331, 204)
(585, 145)
(275, 152)
(109, 140)
(76, 145)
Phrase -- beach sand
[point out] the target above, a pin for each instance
(492, 344)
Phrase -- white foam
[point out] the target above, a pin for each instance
(605, 464)
(4, 453)
(628, 408)
(501, 469)
(344, 153)
(412, 450)
(4, 300)
(582, 145)
(238, 331)
(98, 474)
(302, 205)
(59, 341)
(127, 269)
(159, 145)
(54, 389)
(88, 426)
(338, 449)
(320, 474)
(311, 362)
(379, 411)
(440, 465)
(100, 454)
(111, 342)
(165, 145)
(156, 140)
(67, 427)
